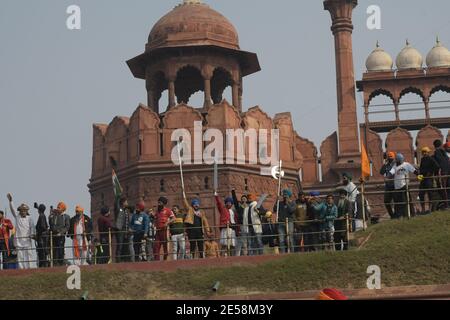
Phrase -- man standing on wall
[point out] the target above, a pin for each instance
(163, 217)
(401, 180)
(6, 227)
(42, 237)
(197, 226)
(59, 226)
(25, 233)
(388, 172)
(441, 157)
(285, 214)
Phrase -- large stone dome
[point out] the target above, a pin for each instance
(193, 23)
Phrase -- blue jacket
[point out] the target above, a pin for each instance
(327, 213)
(140, 222)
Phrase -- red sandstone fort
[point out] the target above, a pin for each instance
(194, 48)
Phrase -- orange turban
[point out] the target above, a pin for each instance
(61, 206)
(79, 209)
(251, 197)
(331, 294)
(391, 155)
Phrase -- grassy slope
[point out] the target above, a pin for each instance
(408, 252)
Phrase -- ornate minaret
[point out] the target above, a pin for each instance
(342, 27)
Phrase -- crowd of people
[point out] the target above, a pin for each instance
(133, 233)
(136, 233)
(433, 174)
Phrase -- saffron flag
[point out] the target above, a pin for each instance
(116, 185)
(365, 163)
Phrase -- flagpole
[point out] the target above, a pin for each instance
(181, 168)
(363, 205)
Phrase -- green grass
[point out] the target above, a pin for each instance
(415, 252)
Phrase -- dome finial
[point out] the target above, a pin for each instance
(378, 44)
(437, 40)
(407, 42)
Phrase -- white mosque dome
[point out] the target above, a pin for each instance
(439, 56)
(409, 58)
(379, 60)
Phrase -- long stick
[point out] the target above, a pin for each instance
(363, 206)
(216, 175)
(110, 246)
(279, 191)
(181, 166)
(407, 198)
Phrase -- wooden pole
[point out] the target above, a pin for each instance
(110, 246)
(407, 198)
(288, 238)
(363, 200)
(228, 240)
(347, 223)
(51, 249)
(279, 189)
(181, 166)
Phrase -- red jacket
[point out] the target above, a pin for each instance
(162, 217)
(225, 214)
(5, 227)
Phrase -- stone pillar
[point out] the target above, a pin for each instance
(151, 101)
(208, 101)
(366, 112)
(342, 28)
(235, 93)
(151, 98)
(427, 109)
(171, 93)
(397, 111)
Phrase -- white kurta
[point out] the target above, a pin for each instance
(22, 240)
(82, 260)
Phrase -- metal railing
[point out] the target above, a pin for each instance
(128, 246)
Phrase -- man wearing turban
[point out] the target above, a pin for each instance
(352, 194)
(388, 172)
(139, 224)
(80, 231)
(252, 226)
(197, 226)
(25, 233)
(402, 171)
(286, 213)
(59, 225)
(229, 227)
(428, 169)
(163, 217)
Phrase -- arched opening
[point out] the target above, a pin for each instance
(411, 105)
(189, 81)
(439, 102)
(221, 86)
(381, 106)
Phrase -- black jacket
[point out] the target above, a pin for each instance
(429, 166)
(238, 207)
(385, 171)
(442, 159)
(42, 227)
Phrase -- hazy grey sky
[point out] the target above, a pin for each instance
(55, 83)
